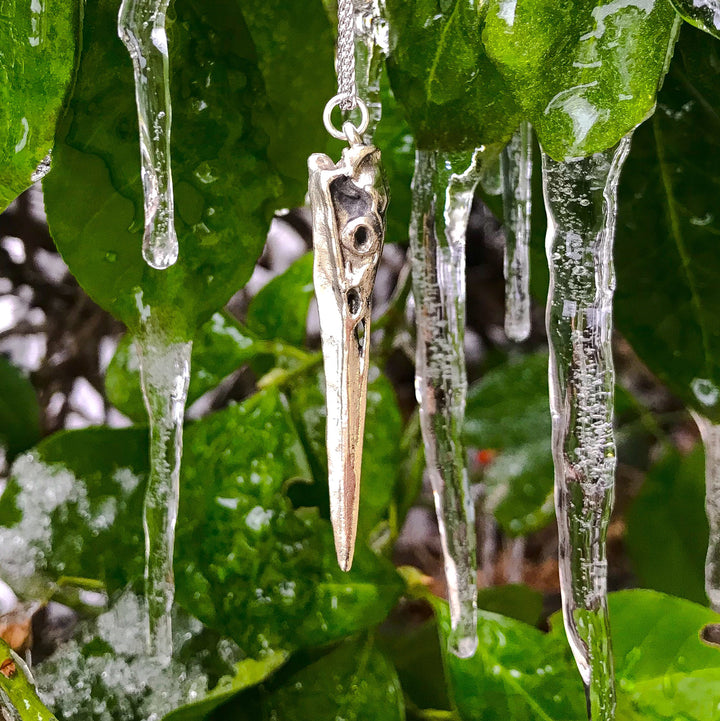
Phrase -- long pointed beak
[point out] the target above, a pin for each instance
(348, 201)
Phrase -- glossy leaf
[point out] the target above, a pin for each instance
(353, 682)
(517, 673)
(508, 411)
(38, 43)
(246, 564)
(667, 530)
(668, 268)
(584, 72)
(703, 14)
(663, 669)
(19, 411)
(280, 309)
(17, 690)
(453, 96)
(226, 148)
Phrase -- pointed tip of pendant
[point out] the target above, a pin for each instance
(345, 549)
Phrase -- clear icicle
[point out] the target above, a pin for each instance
(710, 433)
(164, 376)
(371, 47)
(516, 163)
(141, 26)
(443, 189)
(580, 199)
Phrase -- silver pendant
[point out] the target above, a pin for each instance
(348, 202)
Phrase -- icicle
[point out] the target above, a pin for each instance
(141, 26)
(516, 163)
(443, 189)
(710, 433)
(516, 559)
(164, 376)
(371, 47)
(580, 199)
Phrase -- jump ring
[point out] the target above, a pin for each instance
(330, 106)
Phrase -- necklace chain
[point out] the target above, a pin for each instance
(346, 55)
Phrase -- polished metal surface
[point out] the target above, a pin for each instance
(348, 202)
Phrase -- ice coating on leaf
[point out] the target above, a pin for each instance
(164, 377)
(105, 674)
(443, 189)
(710, 433)
(703, 14)
(585, 73)
(141, 26)
(45, 488)
(580, 199)
(516, 163)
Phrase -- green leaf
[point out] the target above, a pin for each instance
(280, 309)
(453, 96)
(19, 411)
(668, 268)
(663, 669)
(247, 563)
(37, 45)
(17, 689)
(703, 15)
(517, 673)
(508, 411)
(383, 439)
(585, 72)
(228, 142)
(247, 673)
(353, 682)
(415, 653)
(667, 530)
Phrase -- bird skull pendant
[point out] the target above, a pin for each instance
(348, 202)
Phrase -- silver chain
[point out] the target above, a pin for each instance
(346, 55)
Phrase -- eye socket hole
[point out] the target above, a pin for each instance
(360, 335)
(354, 302)
(361, 237)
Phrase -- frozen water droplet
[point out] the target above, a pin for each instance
(141, 26)
(705, 391)
(580, 199)
(516, 163)
(442, 198)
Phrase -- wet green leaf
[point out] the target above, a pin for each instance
(228, 162)
(17, 690)
(353, 682)
(667, 530)
(415, 652)
(517, 673)
(584, 71)
(247, 564)
(383, 438)
(280, 309)
(453, 96)
(38, 46)
(667, 301)
(19, 411)
(508, 411)
(663, 669)
(703, 15)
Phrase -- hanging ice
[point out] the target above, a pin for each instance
(580, 199)
(371, 47)
(516, 162)
(141, 26)
(710, 433)
(164, 375)
(443, 189)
